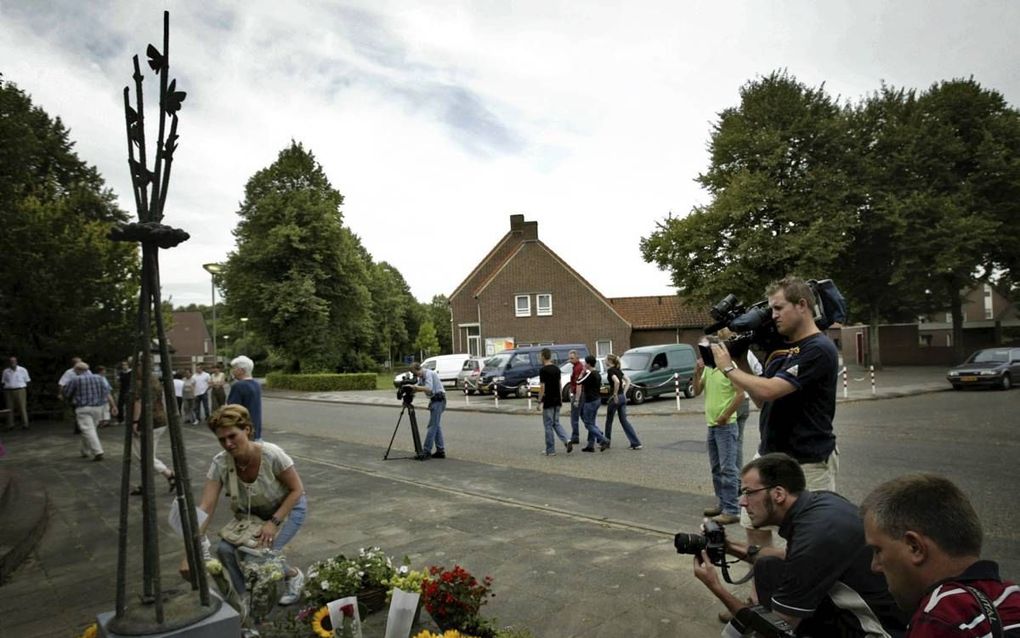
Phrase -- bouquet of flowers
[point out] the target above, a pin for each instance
(263, 576)
(339, 577)
(405, 579)
(454, 597)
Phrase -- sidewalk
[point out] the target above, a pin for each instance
(889, 383)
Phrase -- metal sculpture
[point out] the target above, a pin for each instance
(156, 610)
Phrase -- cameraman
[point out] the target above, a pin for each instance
(821, 582)
(797, 392)
(432, 386)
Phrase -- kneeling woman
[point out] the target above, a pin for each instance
(268, 487)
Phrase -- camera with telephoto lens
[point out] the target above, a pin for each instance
(753, 325)
(406, 393)
(712, 540)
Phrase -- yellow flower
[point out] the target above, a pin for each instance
(91, 631)
(322, 614)
(449, 633)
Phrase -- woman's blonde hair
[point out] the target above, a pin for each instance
(232, 415)
(612, 359)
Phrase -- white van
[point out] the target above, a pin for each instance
(447, 366)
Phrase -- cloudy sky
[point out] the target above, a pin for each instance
(437, 120)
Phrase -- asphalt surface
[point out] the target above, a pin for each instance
(578, 545)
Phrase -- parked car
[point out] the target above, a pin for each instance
(992, 367)
(507, 372)
(565, 370)
(447, 366)
(469, 375)
(651, 370)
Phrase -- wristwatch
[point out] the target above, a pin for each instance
(276, 521)
(728, 369)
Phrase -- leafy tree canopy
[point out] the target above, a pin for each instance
(65, 289)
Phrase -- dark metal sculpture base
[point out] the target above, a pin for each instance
(184, 616)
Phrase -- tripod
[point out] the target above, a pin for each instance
(419, 455)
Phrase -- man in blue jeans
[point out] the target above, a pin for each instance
(432, 386)
(721, 402)
(550, 401)
(576, 370)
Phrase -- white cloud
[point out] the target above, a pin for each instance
(438, 120)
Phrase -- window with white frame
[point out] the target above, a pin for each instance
(603, 347)
(522, 305)
(544, 303)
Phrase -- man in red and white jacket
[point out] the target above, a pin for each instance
(927, 541)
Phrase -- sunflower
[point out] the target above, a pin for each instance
(91, 631)
(321, 624)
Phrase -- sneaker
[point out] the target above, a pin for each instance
(713, 511)
(294, 585)
(636, 447)
(439, 454)
(726, 519)
(588, 449)
(604, 446)
(98, 457)
(549, 453)
(570, 446)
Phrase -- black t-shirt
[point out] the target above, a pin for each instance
(549, 377)
(800, 423)
(591, 381)
(615, 373)
(828, 567)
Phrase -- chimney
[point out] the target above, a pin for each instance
(525, 230)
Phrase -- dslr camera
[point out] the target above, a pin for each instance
(753, 325)
(712, 540)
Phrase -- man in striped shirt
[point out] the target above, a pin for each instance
(927, 541)
(89, 393)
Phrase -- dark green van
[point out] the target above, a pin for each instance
(651, 370)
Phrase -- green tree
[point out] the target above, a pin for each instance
(780, 196)
(438, 312)
(65, 288)
(426, 343)
(392, 305)
(298, 273)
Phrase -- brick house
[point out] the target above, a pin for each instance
(189, 339)
(523, 293)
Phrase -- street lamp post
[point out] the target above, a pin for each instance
(244, 328)
(226, 344)
(213, 269)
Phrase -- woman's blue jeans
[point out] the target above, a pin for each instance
(228, 554)
(620, 405)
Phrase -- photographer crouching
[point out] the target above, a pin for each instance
(430, 383)
(821, 583)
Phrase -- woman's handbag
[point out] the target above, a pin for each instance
(243, 532)
(245, 529)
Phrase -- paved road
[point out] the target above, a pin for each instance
(579, 544)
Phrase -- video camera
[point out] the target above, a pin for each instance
(406, 393)
(755, 620)
(754, 324)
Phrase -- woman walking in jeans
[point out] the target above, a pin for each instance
(618, 402)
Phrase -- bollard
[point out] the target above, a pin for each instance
(529, 402)
(845, 393)
(873, 391)
(676, 382)
(495, 397)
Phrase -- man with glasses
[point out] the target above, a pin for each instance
(821, 582)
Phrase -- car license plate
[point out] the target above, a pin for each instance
(968, 379)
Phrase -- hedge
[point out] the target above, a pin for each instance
(321, 382)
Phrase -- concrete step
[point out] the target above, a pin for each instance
(24, 509)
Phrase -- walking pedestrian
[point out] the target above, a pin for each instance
(245, 390)
(62, 383)
(550, 400)
(218, 387)
(576, 370)
(123, 389)
(189, 407)
(159, 423)
(618, 403)
(590, 385)
(201, 393)
(15, 383)
(88, 393)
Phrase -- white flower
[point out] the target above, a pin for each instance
(404, 569)
(325, 585)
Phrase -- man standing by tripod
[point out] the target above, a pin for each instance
(430, 384)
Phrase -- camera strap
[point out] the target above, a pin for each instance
(726, 574)
(988, 609)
